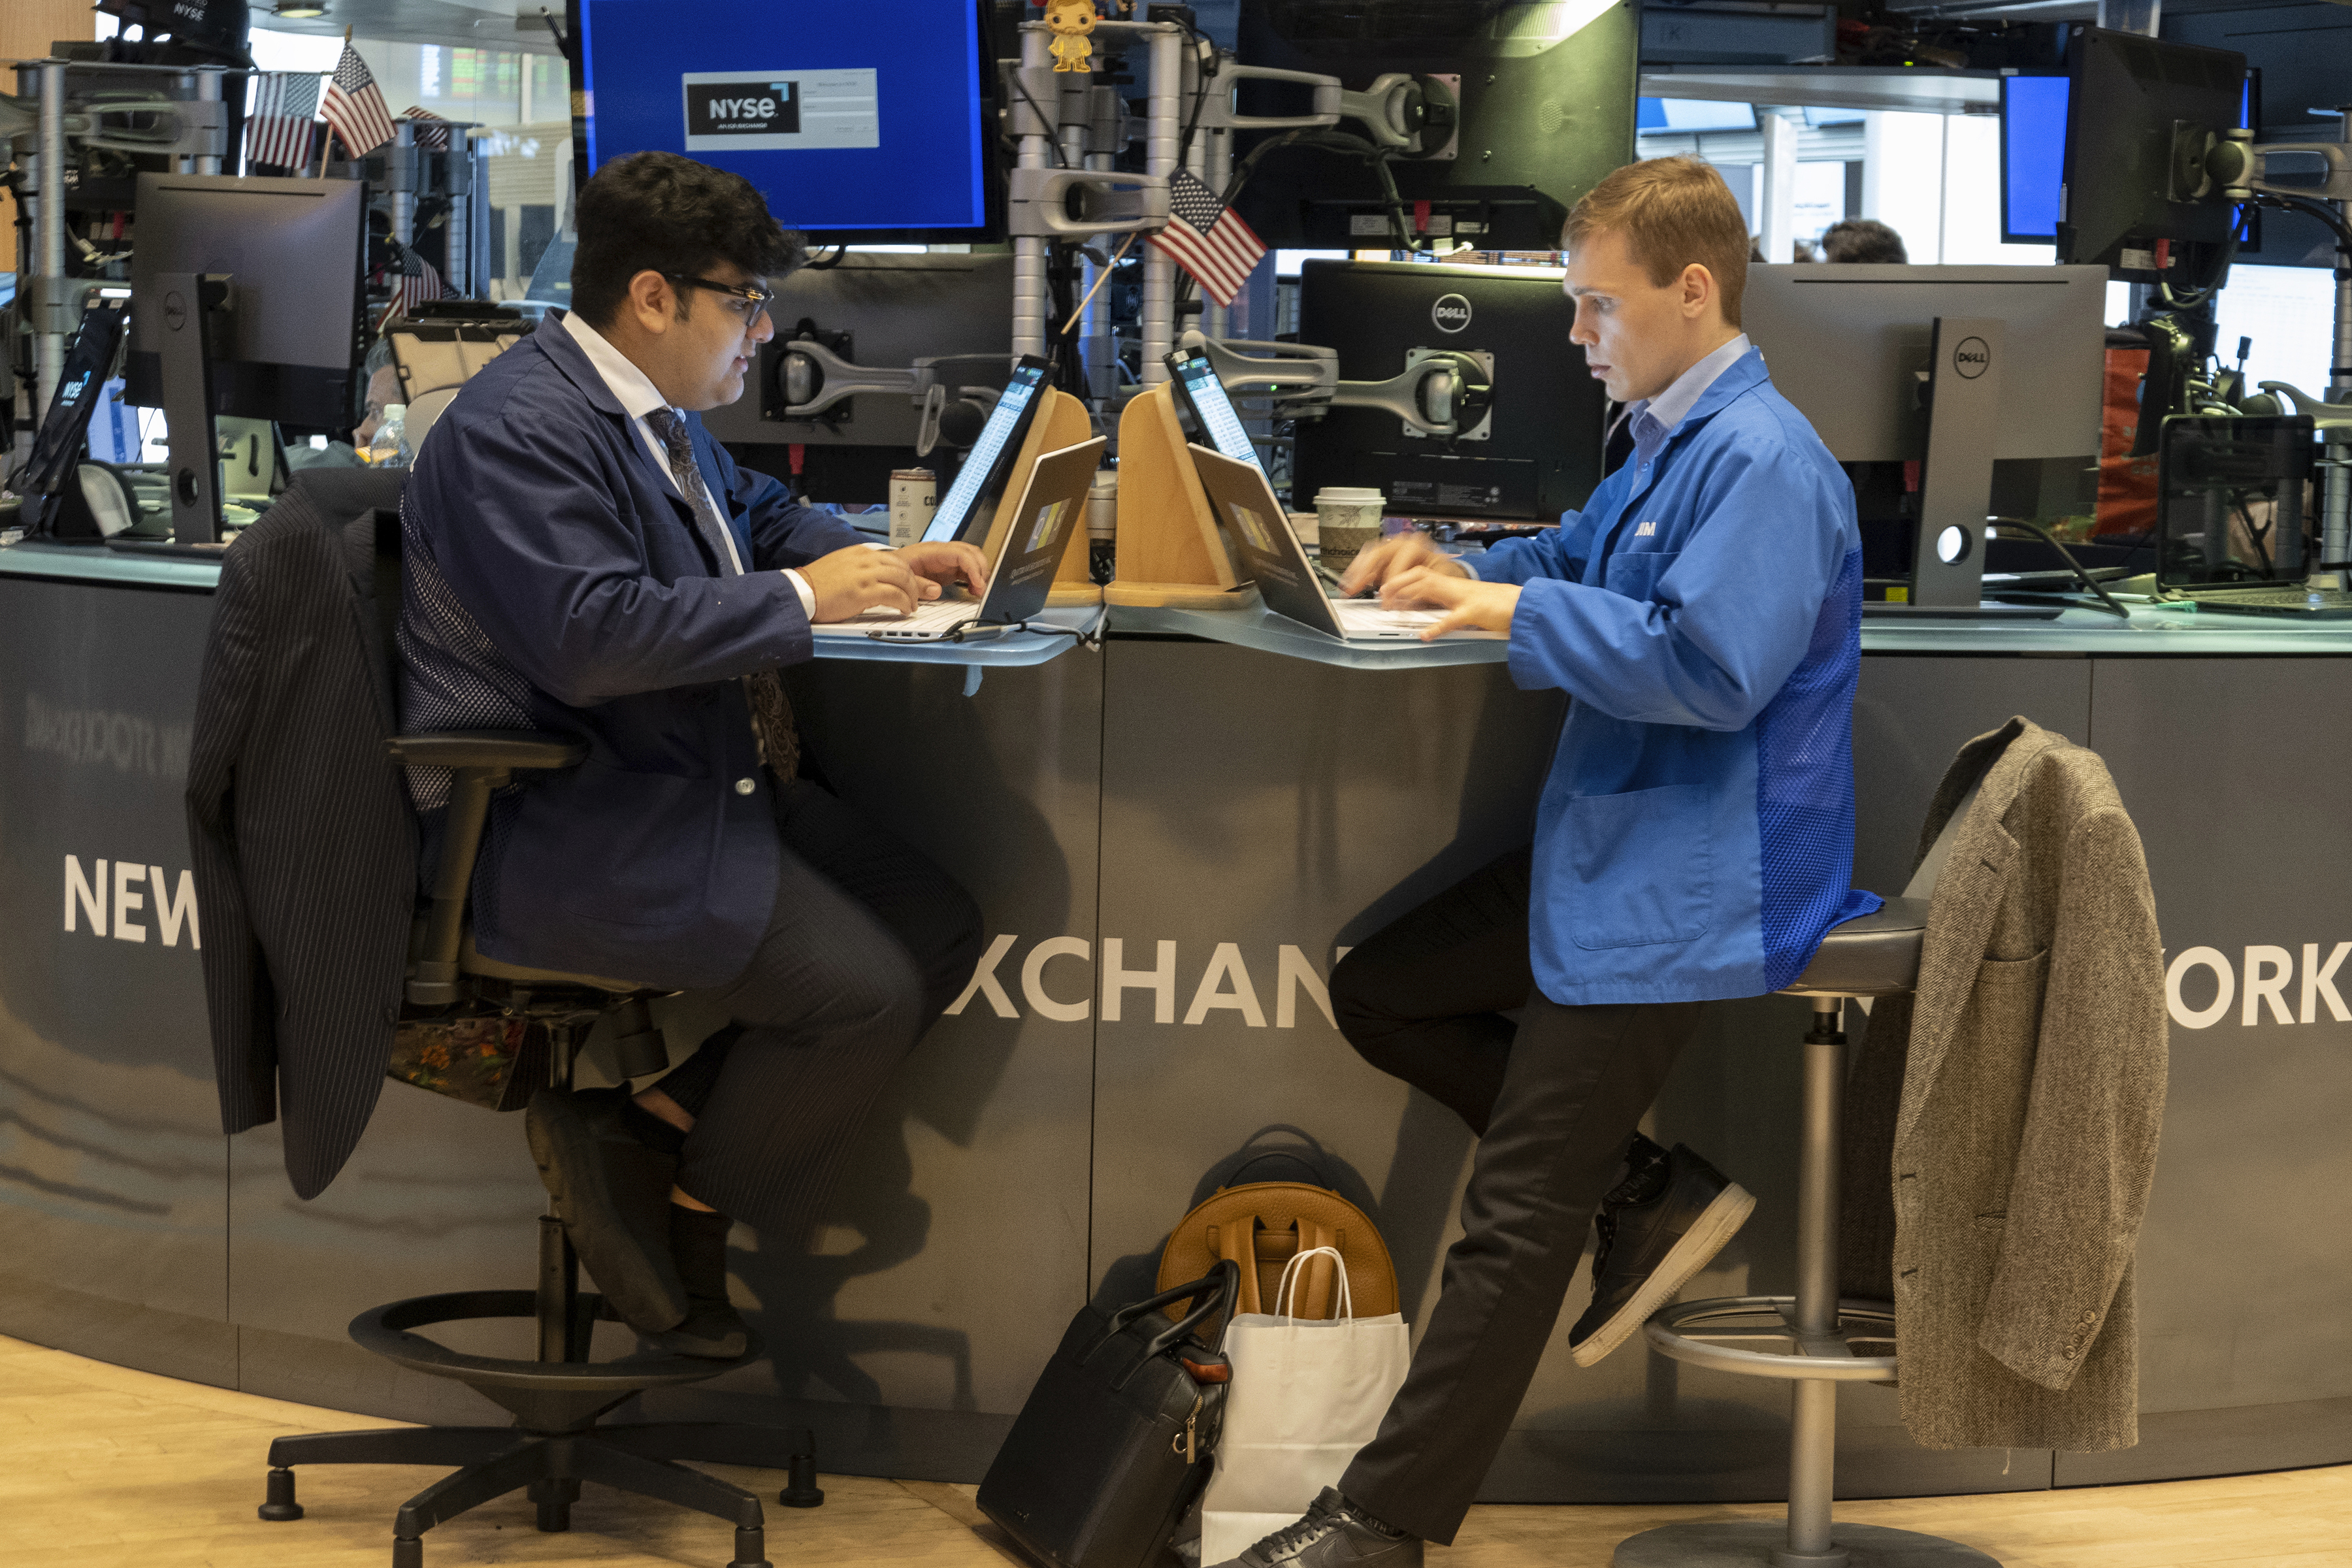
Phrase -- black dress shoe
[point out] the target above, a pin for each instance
(1664, 1222)
(1335, 1534)
(612, 1191)
(712, 1327)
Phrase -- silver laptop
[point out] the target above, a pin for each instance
(1036, 531)
(1270, 554)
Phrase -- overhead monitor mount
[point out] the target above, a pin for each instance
(1444, 392)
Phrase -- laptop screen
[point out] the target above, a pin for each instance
(982, 476)
(1203, 395)
(1052, 505)
(1268, 552)
(2232, 500)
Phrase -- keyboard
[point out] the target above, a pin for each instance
(937, 618)
(2290, 599)
(1365, 618)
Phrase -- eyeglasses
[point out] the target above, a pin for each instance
(746, 302)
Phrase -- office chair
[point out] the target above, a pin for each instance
(558, 1397)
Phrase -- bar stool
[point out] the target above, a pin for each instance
(1877, 955)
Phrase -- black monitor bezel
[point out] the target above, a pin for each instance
(2205, 223)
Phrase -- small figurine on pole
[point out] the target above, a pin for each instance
(1070, 21)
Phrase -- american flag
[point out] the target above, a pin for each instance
(1208, 238)
(412, 280)
(354, 106)
(284, 118)
(432, 131)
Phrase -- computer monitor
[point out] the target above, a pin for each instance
(882, 312)
(880, 128)
(2132, 102)
(971, 501)
(1208, 409)
(290, 344)
(1688, 116)
(1886, 365)
(1848, 345)
(1537, 451)
(2032, 157)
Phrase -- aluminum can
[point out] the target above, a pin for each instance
(914, 497)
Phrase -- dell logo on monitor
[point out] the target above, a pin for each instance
(1972, 358)
(1451, 313)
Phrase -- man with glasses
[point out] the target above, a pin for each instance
(581, 558)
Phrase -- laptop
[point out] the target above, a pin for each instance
(966, 510)
(1270, 553)
(1035, 531)
(2232, 514)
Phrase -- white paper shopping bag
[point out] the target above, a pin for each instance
(1307, 1393)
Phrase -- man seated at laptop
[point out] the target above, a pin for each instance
(1693, 842)
(583, 559)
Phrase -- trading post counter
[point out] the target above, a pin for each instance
(1171, 839)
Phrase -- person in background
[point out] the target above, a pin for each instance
(1860, 239)
(382, 392)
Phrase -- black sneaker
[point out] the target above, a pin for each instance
(1664, 1222)
(612, 1191)
(1335, 1534)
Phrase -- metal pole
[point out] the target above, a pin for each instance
(1812, 1428)
(1164, 125)
(457, 248)
(2336, 489)
(1029, 250)
(50, 355)
(1778, 199)
(1215, 320)
(187, 86)
(209, 90)
(1101, 359)
(403, 169)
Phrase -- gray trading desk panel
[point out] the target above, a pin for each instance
(1257, 812)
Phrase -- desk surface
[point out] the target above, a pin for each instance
(2167, 632)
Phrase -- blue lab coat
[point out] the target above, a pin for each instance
(1696, 835)
(555, 580)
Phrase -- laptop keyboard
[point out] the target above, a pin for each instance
(939, 615)
(2287, 598)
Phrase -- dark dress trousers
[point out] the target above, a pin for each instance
(571, 593)
(303, 846)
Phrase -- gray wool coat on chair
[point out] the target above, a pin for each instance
(2003, 1119)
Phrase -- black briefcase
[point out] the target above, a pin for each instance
(1116, 1439)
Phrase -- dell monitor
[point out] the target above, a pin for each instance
(1879, 361)
(2136, 106)
(883, 127)
(1534, 454)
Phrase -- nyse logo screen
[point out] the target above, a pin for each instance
(781, 111)
(743, 109)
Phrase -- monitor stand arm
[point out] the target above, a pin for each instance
(1947, 550)
(190, 300)
(1442, 394)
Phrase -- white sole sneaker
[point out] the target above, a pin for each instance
(1717, 1225)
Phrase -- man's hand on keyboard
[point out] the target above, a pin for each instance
(1468, 604)
(946, 565)
(850, 582)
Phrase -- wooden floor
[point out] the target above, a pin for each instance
(104, 1467)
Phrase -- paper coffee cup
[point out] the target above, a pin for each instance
(1347, 519)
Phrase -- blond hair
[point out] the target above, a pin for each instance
(1672, 211)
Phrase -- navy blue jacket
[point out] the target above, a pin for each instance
(554, 580)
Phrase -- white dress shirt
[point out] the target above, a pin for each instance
(638, 397)
(1655, 419)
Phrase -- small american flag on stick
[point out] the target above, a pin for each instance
(354, 108)
(432, 132)
(283, 120)
(1208, 238)
(411, 281)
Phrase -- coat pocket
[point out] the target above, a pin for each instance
(1635, 573)
(1637, 867)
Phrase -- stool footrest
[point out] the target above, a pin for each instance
(1681, 1331)
(1764, 1543)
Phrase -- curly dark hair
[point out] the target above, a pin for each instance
(1862, 239)
(659, 212)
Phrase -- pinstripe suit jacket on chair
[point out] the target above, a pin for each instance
(304, 848)
(2003, 1119)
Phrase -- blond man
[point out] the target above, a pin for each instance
(1693, 842)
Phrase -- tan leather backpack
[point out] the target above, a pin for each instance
(1261, 1226)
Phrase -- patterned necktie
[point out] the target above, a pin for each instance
(772, 714)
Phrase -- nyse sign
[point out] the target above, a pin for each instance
(130, 901)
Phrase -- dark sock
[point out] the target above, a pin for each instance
(1364, 1517)
(650, 1129)
(697, 1243)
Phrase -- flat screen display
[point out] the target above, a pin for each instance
(881, 129)
(1672, 116)
(2032, 157)
(984, 467)
(1196, 381)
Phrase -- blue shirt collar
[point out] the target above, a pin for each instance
(1655, 419)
